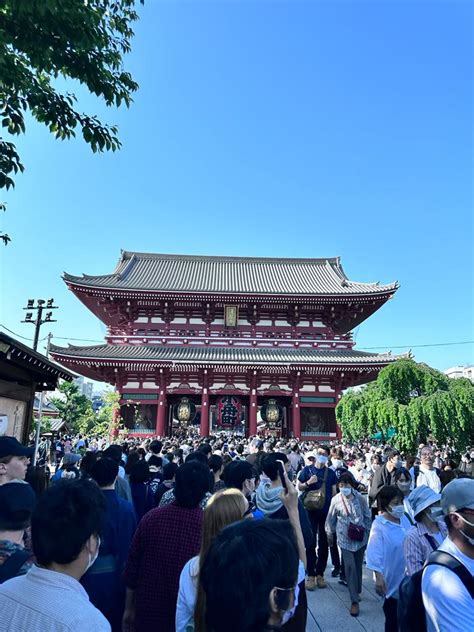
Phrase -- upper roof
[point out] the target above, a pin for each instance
(229, 275)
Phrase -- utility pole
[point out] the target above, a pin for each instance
(40, 408)
(40, 306)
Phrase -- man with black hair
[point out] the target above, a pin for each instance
(166, 538)
(122, 486)
(169, 473)
(206, 449)
(65, 528)
(216, 465)
(104, 580)
(17, 501)
(385, 475)
(242, 476)
(169, 496)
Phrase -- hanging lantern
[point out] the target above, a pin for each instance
(271, 412)
(229, 410)
(184, 411)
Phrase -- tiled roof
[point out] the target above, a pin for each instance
(219, 355)
(229, 275)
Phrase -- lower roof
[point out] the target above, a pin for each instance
(168, 355)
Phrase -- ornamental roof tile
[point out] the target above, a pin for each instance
(219, 355)
(229, 275)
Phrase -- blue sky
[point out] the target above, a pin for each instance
(272, 129)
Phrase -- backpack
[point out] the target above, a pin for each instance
(411, 611)
(12, 564)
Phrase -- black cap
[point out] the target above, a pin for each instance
(16, 496)
(10, 446)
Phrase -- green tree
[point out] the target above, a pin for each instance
(44, 43)
(105, 416)
(415, 400)
(74, 408)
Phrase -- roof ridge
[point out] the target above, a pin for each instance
(129, 254)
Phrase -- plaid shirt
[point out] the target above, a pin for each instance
(338, 519)
(166, 538)
(417, 545)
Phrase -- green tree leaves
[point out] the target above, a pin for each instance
(40, 42)
(415, 400)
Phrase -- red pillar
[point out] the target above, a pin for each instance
(296, 419)
(253, 413)
(161, 415)
(204, 428)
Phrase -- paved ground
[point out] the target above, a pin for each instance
(329, 608)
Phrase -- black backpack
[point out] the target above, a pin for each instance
(12, 564)
(411, 611)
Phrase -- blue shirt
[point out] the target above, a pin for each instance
(331, 479)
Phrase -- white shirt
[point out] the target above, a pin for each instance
(385, 553)
(47, 601)
(429, 478)
(448, 604)
(187, 596)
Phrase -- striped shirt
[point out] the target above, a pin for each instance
(338, 519)
(418, 546)
(44, 600)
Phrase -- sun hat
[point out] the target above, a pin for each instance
(421, 498)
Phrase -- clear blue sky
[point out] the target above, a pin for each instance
(277, 129)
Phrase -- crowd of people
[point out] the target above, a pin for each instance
(227, 534)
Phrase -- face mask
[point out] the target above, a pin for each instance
(471, 524)
(346, 491)
(398, 464)
(322, 459)
(337, 463)
(92, 558)
(287, 614)
(404, 487)
(397, 512)
(376, 466)
(436, 513)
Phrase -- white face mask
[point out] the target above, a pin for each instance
(471, 524)
(321, 459)
(337, 463)
(397, 512)
(404, 487)
(92, 558)
(287, 614)
(346, 491)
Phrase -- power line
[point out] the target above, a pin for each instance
(19, 336)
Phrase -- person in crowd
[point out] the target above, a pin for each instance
(296, 461)
(216, 465)
(166, 538)
(169, 496)
(266, 554)
(466, 466)
(404, 483)
(104, 580)
(448, 600)
(242, 476)
(312, 478)
(65, 529)
(14, 460)
(257, 452)
(122, 485)
(155, 465)
(426, 473)
(360, 473)
(169, 473)
(349, 508)
(68, 467)
(206, 449)
(142, 494)
(224, 508)
(386, 474)
(385, 554)
(428, 532)
(271, 502)
(17, 501)
(38, 476)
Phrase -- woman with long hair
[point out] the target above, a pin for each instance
(224, 508)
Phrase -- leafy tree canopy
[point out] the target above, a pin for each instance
(415, 400)
(74, 408)
(42, 41)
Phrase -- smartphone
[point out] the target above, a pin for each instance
(281, 468)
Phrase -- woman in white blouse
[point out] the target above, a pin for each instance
(385, 554)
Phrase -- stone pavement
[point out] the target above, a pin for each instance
(329, 608)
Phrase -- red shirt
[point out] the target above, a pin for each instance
(166, 538)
